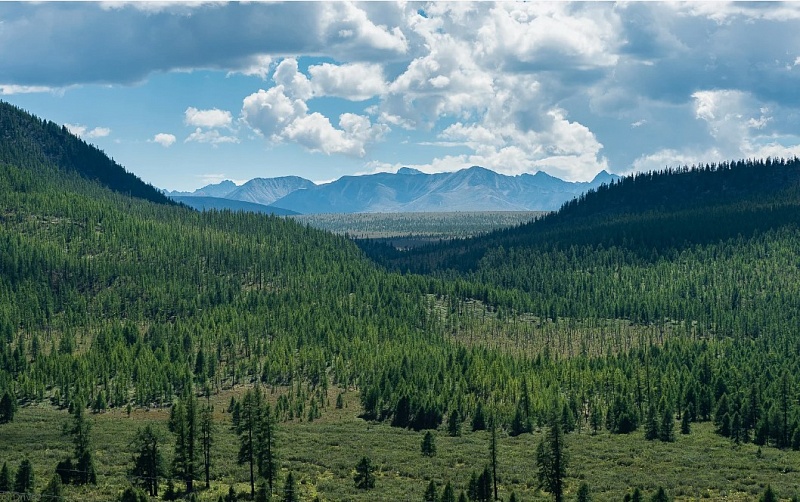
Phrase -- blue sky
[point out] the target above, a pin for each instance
(188, 94)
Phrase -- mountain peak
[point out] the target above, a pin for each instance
(604, 177)
(409, 170)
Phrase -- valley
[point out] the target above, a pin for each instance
(652, 321)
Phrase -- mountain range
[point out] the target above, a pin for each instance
(408, 190)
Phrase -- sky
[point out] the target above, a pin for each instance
(187, 94)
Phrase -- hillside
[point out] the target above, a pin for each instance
(41, 144)
(618, 330)
(220, 204)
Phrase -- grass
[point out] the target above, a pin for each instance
(322, 455)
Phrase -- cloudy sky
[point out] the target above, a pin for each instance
(188, 94)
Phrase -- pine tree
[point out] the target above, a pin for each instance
(430, 493)
(365, 474)
(650, 424)
(659, 496)
(290, 489)
(428, 445)
(207, 439)
(184, 426)
(686, 426)
(666, 431)
(493, 454)
(80, 431)
(265, 444)
(54, 489)
(5, 478)
(583, 493)
(454, 423)
(24, 481)
(769, 495)
(551, 460)
(7, 408)
(479, 418)
(448, 494)
(148, 463)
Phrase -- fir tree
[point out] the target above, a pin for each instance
(428, 444)
(24, 481)
(290, 489)
(365, 474)
(430, 493)
(148, 463)
(5, 478)
(551, 461)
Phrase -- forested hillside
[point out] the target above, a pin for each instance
(607, 328)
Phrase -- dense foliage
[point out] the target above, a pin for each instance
(680, 299)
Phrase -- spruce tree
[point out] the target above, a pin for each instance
(207, 439)
(768, 495)
(5, 478)
(148, 463)
(583, 493)
(666, 430)
(365, 474)
(430, 493)
(551, 460)
(24, 481)
(448, 494)
(660, 496)
(290, 489)
(428, 446)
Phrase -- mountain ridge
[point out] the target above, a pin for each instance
(409, 190)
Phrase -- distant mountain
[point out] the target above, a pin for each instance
(205, 203)
(263, 191)
(268, 190)
(220, 189)
(42, 145)
(409, 190)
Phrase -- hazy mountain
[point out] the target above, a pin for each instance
(220, 189)
(268, 190)
(473, 189)
(203, 203)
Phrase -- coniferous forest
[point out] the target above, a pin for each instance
(640, 342)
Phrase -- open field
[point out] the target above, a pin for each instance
(322, 455)
(433, 226)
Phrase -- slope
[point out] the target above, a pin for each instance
(41, 144)
(204, 203)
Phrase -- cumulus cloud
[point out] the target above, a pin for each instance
(213, 137)
(207, 118)
(354, 81)
(84, 132)
(126, 44)
(278, 117)
(164, 139)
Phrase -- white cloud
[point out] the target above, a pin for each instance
(207, 118)
(99, 132)
(212, 137)
(8, 89)
(257, 66)
(164, 139)
(355, 81)
(83, 131)
(270, 112)
(294, 82)
(76, 129)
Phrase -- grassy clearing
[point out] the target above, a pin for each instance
(323, 454)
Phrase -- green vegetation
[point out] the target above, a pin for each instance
(412, 229)
(589, 331)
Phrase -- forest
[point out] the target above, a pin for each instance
(639, 343)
